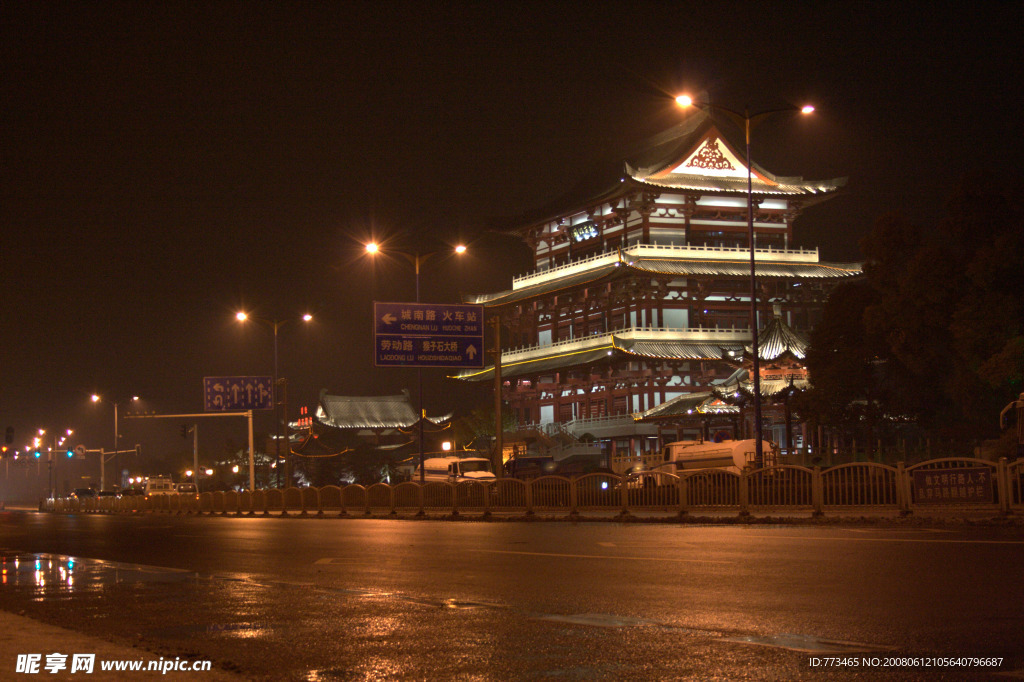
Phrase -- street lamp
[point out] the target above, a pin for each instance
(416, 259)
(103, 478)
(746, 120)
(275, 325)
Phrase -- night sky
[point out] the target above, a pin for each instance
(164, 165)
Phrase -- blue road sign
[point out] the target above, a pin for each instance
(238, 393)
(428, 335)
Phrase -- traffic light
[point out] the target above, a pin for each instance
(70, 453)
(37, 454)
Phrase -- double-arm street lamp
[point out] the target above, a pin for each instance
(278, 396)
(416, 259)
(747, 120)
(117, 438)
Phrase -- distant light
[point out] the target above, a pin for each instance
(461, 248)
(372, 247)
(209, 472)
(135, 398)
(446, 446)
(684, 100)
(307, 318)
(95, 398)
(234, 469)
(241, 317)
(807, 109)
(188, 473)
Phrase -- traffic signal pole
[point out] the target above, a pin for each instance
(247, 414)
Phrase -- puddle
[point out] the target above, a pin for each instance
(56, 574)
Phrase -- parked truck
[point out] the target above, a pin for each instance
(456, 469)
(732, 455)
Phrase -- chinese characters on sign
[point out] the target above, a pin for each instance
(965, 485)
(428, 335)
(238, 393)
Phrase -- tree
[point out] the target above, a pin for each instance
(942, 320)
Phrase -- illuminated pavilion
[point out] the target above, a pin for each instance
(640, 294)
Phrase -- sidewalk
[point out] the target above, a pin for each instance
(23, 635)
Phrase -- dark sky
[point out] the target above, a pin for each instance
(164, 164)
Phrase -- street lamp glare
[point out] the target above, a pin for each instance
(684, 100)
(807, 109)
(372, 247)
(95, 398)
(241, 317)
(307, 318)
(461, 248)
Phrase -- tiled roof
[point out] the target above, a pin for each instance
(369, 412)
(777, 339)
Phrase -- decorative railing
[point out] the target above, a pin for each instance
(684, 334)
(956, 484)
(660, 251)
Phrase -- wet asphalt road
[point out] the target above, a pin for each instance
(359, 599)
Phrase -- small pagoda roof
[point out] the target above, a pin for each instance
(678, 261)
(686, 405)
(371, 412)
(778, 339)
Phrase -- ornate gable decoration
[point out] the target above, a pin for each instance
(712, 158)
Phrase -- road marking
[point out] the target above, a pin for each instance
(602, 556)
(601, 620)
(807, 644)
(924, 540)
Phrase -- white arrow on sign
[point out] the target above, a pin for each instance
(388, 319)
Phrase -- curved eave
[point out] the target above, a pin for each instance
(667, 266)
(601, 351)
(796, 187)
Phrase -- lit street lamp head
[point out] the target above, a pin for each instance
(372, 247)
(241, 317)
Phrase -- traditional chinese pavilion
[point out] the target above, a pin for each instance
(641, 290)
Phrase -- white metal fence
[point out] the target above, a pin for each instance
(942, 484)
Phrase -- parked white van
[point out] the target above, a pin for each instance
(455, 469)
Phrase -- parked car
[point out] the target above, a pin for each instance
(83, 493)
(188, 489)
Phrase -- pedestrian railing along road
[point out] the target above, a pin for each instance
(950, 484)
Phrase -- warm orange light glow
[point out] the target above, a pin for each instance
(241, 317)
(807, 109)
(684, 100)
(461, 248)
(307, 318)
(95, 398)
(372, 247)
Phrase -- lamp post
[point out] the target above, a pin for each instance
(103, 478)
(747, 120)
(416, 259)
(278, 397)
